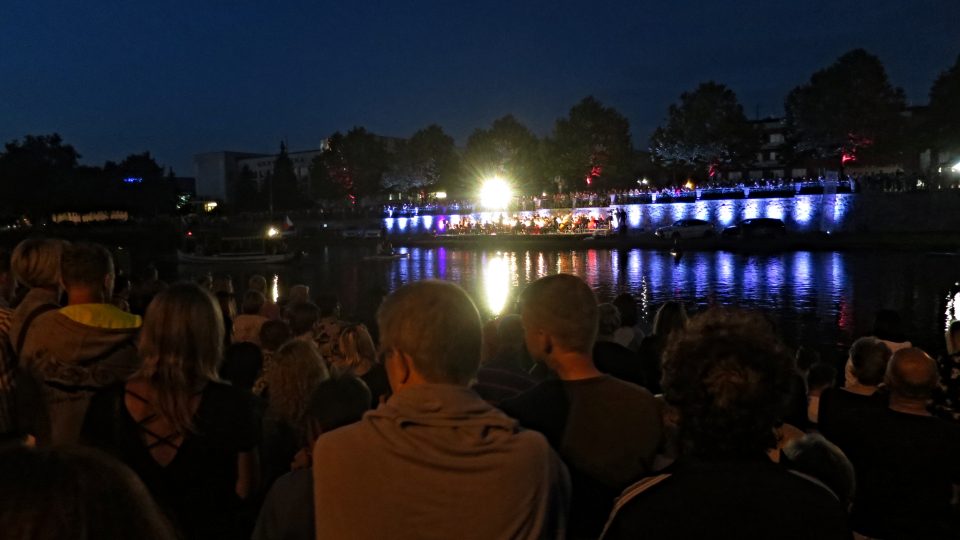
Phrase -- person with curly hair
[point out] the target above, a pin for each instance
(297, 370)
(725, 378)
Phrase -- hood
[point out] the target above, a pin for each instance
(440, 424)
(60, 337)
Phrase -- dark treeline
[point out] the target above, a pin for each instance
(848, 113)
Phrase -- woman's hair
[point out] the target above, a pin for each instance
(252, 302)
(181, 345)
(627, 305)
(670, 317)
(80, 493)
(357, 351)
(297, 370)
(36, 262)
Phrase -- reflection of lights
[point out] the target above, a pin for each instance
(275, 288)
(496, 283)
(677, 209)
(802, 278)
(701, 210)
(803, 209)
(427, 222)
(956, 167)
(272, 231)
(402, 223)
(495, 193)
(633, 216)
(725, 214)
(725, 268)
(752, 209)
(774, 209)
(388, 223)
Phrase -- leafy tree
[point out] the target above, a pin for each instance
(591, 145)
(944, 113)
(706, 129)
(32, 171)
(848, 110)
(426, 159)
(507, 149)
(352, 165)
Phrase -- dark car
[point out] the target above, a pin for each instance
(756, 228)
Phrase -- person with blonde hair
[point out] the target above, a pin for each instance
(35, 264)
(357, 355)
(435, 443)
(296, 372)
(189, 436)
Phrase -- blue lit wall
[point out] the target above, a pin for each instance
(803, 213)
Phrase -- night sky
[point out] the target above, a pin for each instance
(182, 77)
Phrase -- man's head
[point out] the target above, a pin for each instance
(329, 305)
(273, 334)
(609, 321)
(299, 293)
(252, 302)
(36, 262)
(257, 283)
(627, 305)
(727, 375)
(868, 359)
(430, 332)
(559, 314)
(912, 375)
(336, 402)
(86, 271)
(303, 317)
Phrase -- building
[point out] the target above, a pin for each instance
(215, 171)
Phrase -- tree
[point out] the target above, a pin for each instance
(245, 192)
(352, 165)
(426, 159)
(706, 129)
(32, 170)
(282, 186)
(944, 113)
(591, 145)
(507, 149)
(847, 111)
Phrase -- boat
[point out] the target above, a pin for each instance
(269, 249)
(385, 257)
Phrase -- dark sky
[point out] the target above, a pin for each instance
(182, 77)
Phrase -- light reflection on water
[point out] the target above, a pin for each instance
(823, 298)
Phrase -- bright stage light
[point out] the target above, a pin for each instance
(495, 193)
(272, 231)
(956, 167)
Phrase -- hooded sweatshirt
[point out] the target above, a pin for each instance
(436, 461)
(73, 353)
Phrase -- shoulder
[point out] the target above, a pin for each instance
(540, 396)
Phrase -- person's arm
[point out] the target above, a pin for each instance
(248, 466)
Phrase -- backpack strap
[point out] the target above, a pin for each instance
(629, 494)
(37, 311)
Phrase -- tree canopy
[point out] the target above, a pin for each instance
(944, 112)
(847, 109)
(352, 165)
(706, 128)
(591, 146)
(508, 148)
(33, 169)
(427, 159)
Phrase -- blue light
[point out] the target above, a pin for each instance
(633, 216)
(752, 209)
(725, 214)
(402, 223)
(803, 210)
(774, 208)
(427, 222)
(387, 223)
(133, 180)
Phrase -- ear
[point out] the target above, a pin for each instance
(399, 369)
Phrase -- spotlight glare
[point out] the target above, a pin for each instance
(495, 193)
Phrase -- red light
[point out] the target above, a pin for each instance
(189, 233)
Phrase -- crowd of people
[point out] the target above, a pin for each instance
(174, 413)
(557, 223)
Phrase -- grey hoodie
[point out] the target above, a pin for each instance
(436, 461)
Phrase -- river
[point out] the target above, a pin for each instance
(821, 299)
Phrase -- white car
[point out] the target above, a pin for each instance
(687, 228)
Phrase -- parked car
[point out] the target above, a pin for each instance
(756, 228)
(686, 228)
